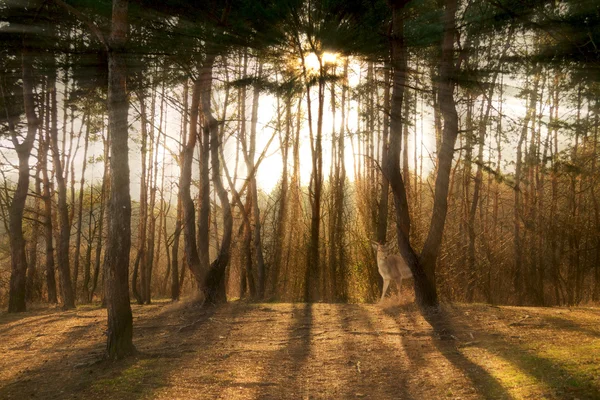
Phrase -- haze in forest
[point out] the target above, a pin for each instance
(216, 175)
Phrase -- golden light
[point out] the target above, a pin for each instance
(330, 58)
(312, 61)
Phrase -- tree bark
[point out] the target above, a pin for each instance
(213, 285)
(249, 154)
(33, 289)
(425, 291)
(185, 179)
(16, 299)
(433, 242)
(17, 291)
(80, 210)
(116, 262)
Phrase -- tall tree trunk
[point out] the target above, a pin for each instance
(175, 287)
(85, 293)
(595, 202)
(62, 251)
(425, 291)
(33, 290)
(446, 86)
(116, 262)
(143, 217)
(385, 186)
(282, 212)
(104, 191)
(185, 179)
(313, 268)
(16, 299)
(518, 266)
(80, 209)
(213, 285)
(48, 222)
(204, 192)
(342, 272)
(249, 154)
(151, 235)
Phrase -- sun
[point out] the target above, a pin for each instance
(312, 61)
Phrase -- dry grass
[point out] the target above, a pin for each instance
(274, 351)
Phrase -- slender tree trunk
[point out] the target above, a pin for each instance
(424, 288)
(16, 299)
(249, 154)
(33, 290)
(433, 242)
(48, 230)
(85, 294)
(80, 209)
(103, 195)
(175, 287)
(143, 213)
(204, 192)
(213, 285)
(151, 235)
(518, 268)
(382, 224)
(189, 226)
(595, 202)
(62, 253)
(116, 262)
(342, 273)
(280, 233)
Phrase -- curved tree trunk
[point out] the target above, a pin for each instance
(16, 299)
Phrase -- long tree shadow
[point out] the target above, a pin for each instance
(444, 340)
(291, 358)
(551, 373)
(380, 373)
(75, 365)
(411, 335)
(10, 321)
(567, 324)
(548, 373)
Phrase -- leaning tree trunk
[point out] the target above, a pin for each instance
(423, 267)
(446, 85)
(425, 291)
(16, 299)
(116, 262)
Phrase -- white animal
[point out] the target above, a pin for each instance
(390, 266)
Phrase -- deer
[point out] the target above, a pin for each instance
(390, 266)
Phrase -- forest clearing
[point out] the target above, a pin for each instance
(306, 351)
(282, 163)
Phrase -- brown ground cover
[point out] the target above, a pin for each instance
(303, 351)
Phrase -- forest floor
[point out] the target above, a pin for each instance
(301, 351)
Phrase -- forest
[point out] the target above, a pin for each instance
(174, 163)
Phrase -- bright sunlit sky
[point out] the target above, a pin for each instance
(269, 172)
